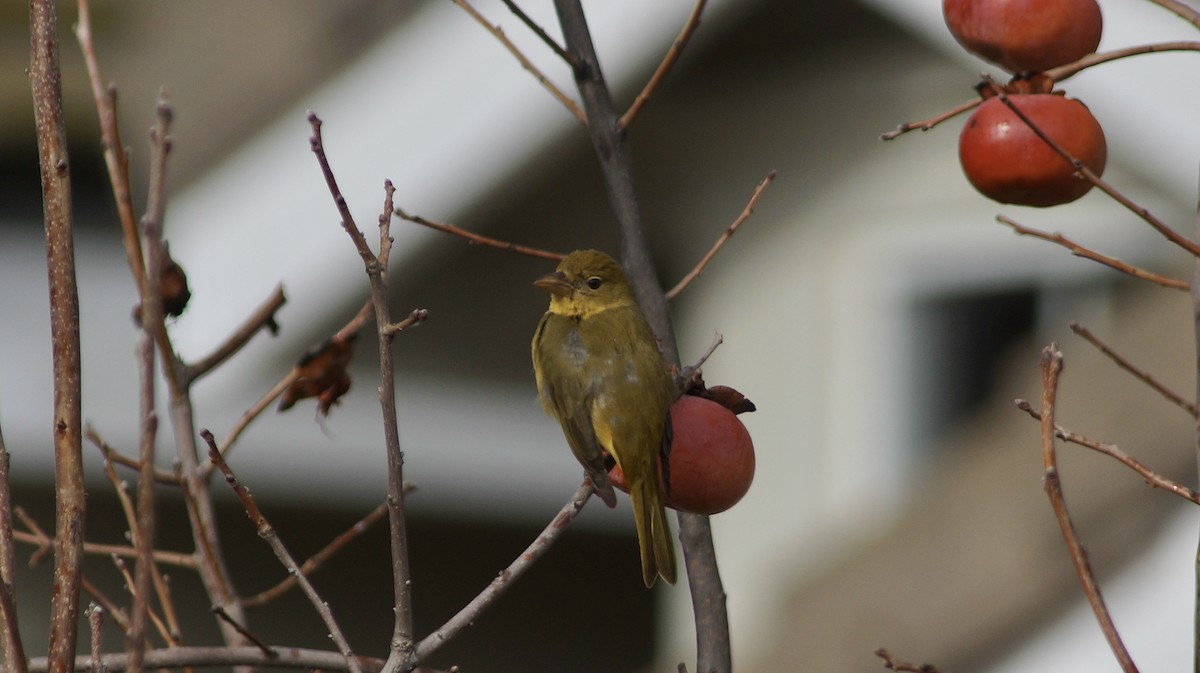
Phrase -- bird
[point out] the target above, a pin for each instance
(600, 374)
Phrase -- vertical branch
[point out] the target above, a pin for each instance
(616, 163)
(1195, 291)
(152, 317)
(12, 653)
(1052, 365)
(64, 329)
(402, 650)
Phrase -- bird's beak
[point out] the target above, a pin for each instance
(554, 283)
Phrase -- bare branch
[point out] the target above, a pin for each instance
(932, 121)
(1113, 451)
(537, 30)
(465, 617)
(1088, 253)
(668, 62)
(70, 502)
(401, 655)
(268, 534)
(183, 657)
(892, 663)
(263, 316)
(723, 238)
(1141, 375)
(1052, 364)
(525, 62)
(480, 239)
(11, 649)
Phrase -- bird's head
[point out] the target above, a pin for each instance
(586, 282)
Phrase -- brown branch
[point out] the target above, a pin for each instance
(542, 35)
(615, 158)
(118, 615)
(181, 657)
(689, 372)
(117, 458)
(1141, 375)
(1181, 10)
(268, 534)
(465, 617)
(1087, 253)
(95, 616)
(417, 316)
(255, 640)
(263, 316)
(528, 65)
(927, 124)
(668, 62)
(159, 625)
(44, 542)
(1063, 72)
(723, 238)
(1090, 175)
(892, 663)
(12, 652)
(1052, 364)
(400, 657)
(115, 156)
(1151, 477)
(479, 239)
(70, 501)
(313, 563)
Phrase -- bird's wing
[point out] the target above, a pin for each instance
(567, 395)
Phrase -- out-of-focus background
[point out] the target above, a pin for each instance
(872, 308)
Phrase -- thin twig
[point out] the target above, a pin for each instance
(1181, 10)
(723, 238)
(417, 316)
(1090, 175)
(313, 563)
(465, 617)
(1063, 72)
(45, 544)
(479, 239)
(1140, 374)
(1113, 451)
(543, 35)
(686, 374)
(255, 640)
(263, 316)
(248, 655)
(70, 500)
(400, 657)
(528, 65)
(116, 158)
(927, 124)
(117, 458)
(12, 652)
(892, 663)
(118, 615)
(1052, 364)
(95, 615)
(668, 62)
(1088, 253)
(268, 534)
(163, 631)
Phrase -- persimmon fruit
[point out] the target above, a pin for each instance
(711, 459)
(1006, 161)
(1024, 35)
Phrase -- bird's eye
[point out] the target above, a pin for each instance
(594, 282)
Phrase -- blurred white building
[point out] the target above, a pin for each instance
(872, 308)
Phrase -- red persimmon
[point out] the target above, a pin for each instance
(1023, 35)
(1006, 161)
(711, 460)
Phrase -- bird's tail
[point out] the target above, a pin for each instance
(654, 535)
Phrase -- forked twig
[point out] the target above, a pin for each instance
(268, 534)
(1113, 451)
(543, 35)
(1141, 375)
(1052, 364)
(725, 236)
(536, 549)
(927, 124)
(313, 563)
(1088, 253)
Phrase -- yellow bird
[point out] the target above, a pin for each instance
(600, 373)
